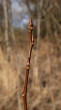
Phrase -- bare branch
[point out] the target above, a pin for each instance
(31, 38)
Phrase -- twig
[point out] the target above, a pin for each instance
(31, 39)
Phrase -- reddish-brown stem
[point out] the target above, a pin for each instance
(24, 92)
(31, 38)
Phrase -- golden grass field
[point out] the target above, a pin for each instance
(44, 87)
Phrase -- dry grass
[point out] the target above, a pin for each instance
(47, 94)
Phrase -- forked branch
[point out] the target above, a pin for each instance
(31, 39)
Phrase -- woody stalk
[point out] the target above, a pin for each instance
(31, 44)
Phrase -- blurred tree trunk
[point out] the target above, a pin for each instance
(8, 22)
(35, 70)
(6, 28)
(11, 30)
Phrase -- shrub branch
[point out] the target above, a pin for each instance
(31, 40)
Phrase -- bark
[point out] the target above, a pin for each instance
(6, 28)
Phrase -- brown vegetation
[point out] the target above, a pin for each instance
(44, 87)
(46, 94)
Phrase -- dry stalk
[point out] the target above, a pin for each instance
(31, 39)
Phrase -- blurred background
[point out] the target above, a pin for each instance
(44, 84)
